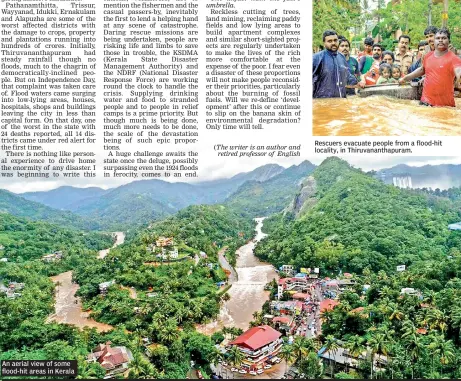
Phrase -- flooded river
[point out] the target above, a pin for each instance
(119, 239)
(68, 307)
(383, 116)
(247, 292)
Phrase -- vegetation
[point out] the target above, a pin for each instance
(27, 240)
(385, 18)
(358, 223)
(20, 207)
(259, 199)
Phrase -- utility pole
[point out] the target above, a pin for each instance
(429, 16)
(445, 14)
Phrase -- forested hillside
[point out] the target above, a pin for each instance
(20, 207)
(358, 222)
(24, 240)
(257, 199)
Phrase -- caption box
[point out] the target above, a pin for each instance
(39, 368)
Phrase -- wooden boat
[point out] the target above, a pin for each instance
(410, 91)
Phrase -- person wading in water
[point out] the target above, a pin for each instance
(330, 73)
(440, 67)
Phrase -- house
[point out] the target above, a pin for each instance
(456, 226)
(288, 269)
(2, 247)
(56, 256)
(3, 259)
(11, 291)
(300, 296)
(290, 307)
(103, 287)
(328, 305)
(342, 359)
(410, 291)
(168, 254)
(163, 242)
(258, 344)
(297, 284)
(113, 360)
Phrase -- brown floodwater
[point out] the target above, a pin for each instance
(120, 238)
(68, 307)
(247, 294)
(383, 116)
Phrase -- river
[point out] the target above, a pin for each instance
(119, 239)
(247, 293)
(383, 116)
(68, 307)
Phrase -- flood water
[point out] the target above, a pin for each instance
(120, 238)
(247, 293)
(383, 116)
(68, 307)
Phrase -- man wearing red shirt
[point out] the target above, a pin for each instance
(440, 66)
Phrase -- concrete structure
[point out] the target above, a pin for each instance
(56, 256)
(402, 181)
(103, 287)
(259, 344)
(456, 226)
(297, 284)
(288, 269)
(168, 254)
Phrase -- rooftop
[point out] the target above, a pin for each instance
(257, 337)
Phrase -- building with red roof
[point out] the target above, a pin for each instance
(328, 305)
(113, 360)
(259, 344)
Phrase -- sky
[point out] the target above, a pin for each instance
(213, 170)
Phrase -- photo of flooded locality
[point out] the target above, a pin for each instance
(386, 68)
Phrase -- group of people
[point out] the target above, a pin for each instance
(337, 74)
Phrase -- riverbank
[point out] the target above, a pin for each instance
(119, 239)
(247, 294)
(68, 306)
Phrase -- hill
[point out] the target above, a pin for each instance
(20, 207)
(357, 222)
(262, 198)
(136, 203)
(24, 240)
(64, 197)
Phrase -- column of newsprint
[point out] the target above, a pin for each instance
(122, 89)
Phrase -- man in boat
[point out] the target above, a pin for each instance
(440, 67)
(344, 49)
(371, 76)
(404, 58)
(368, 51)
(330, 74)
(422, 46)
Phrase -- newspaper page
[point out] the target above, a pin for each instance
(230, 189)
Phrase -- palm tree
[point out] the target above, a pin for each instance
(379, 345)
(169, 331)
(235, 356)
(331, 345)
(355, 346)
(444, 349)
(287, 354)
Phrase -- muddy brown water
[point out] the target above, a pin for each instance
(120, 238)
(247, 294)
(68, 307)
(383, 116)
